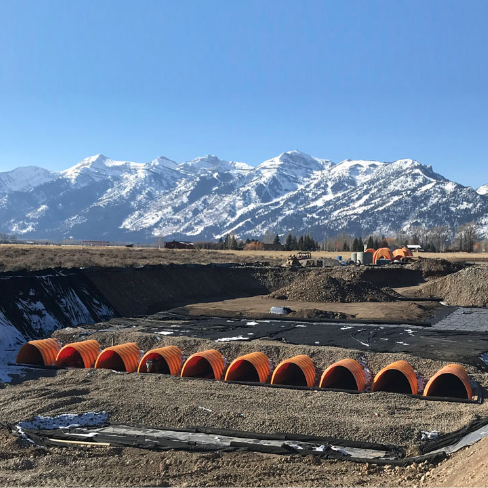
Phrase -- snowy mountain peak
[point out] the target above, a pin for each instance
(482, 190)
(213, 163)
(294, 161)
(24, 179)
(163, 161)
(208, 197)
(98, 167)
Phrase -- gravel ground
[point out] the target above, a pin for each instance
(176, 402)
(22, 465)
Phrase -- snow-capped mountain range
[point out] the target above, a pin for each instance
(203, 199)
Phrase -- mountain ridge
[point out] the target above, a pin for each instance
(207, 197)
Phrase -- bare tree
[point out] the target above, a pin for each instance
(466, 236)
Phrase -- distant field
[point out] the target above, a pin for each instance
(19, 257)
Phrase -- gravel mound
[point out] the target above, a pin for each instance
(436, 268)
(466, 288)
(319, 287)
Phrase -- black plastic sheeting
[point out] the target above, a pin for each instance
(427, 342)
(454, 437)
(390, 455)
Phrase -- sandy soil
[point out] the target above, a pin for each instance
(258, 307)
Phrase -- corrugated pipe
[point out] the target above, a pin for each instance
(450, 381)
(42, 352)
(397, 377)
(205, 364)
(346, 374)
(250, 367)
(382, 253)
(124, 357)
(163, 360)
(78, 355)
(296, 371)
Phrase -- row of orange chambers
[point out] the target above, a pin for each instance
(450, 381)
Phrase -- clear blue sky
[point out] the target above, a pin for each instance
(245, 80)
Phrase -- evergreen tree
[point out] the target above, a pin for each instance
(289, 242)
(294, 244)
(355, 244)
(277, 240)
(360, 245)
(300, 244)
(370, 244)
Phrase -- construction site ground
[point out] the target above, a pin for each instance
(162, 400)
(259, 306)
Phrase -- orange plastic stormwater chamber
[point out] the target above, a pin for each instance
(205, 364)
(254, 367)
(450, 381)
(124, 357)
(346, 374)
(397, 377)
(382, 253)
(78, 355)
(162, 360)
(296, 371)
(41, 352)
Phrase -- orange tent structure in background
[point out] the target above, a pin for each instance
(382, 253)
(402, 253)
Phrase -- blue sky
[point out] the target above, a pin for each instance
(245, 80)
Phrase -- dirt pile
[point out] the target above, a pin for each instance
(466, 288)
(315, 313)
(436, 268)
(320, 287)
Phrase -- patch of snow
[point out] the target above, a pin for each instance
(230, 339)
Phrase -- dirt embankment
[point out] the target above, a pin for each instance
(317, 286)
(435, 268)
(466, 288)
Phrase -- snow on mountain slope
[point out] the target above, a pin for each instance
(211, 162)
(208, 197)
(96, 168)
(483, 190)
(23, 179)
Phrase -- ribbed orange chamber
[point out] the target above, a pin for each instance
(397, 377)
(250, 367)
(346, 374)
(450, 381)
(78, 355)
(205, 364)
(165, 360)
(296, 371)
(402, 253)
(42, 352)
(382, 253)
(124, 357)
